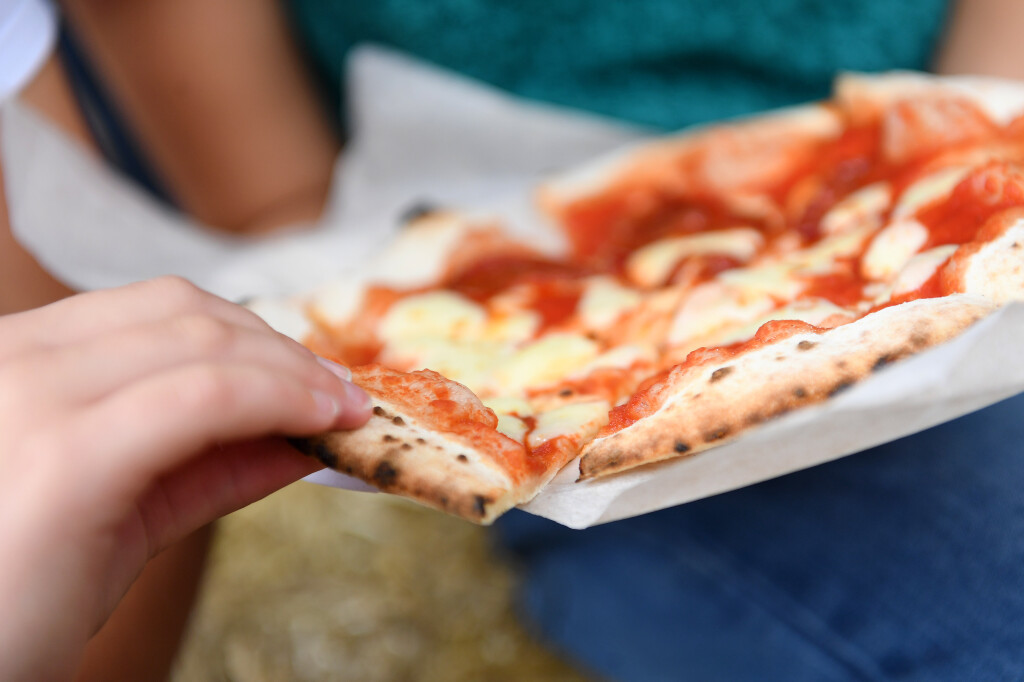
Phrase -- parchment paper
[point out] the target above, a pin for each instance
(420, 135)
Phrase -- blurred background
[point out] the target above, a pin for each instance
(315, 583)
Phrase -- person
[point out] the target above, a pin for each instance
(129, 419)
(898, 562)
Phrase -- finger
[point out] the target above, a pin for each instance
(87, 315)
(95, 368)
(218, 483)
(161, 422)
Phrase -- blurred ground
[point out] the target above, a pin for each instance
(317, 584)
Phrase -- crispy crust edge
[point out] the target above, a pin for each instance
(395, 454)
(716, 402)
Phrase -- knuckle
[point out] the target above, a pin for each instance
(177, 290)
(208, 335)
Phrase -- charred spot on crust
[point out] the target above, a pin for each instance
(462, 458)
(841, 364)
(303, 445)
(805, 345)
(840, 387)
(565, 392)
(680, 447)
(443, 499)
(480, 504)
(882, 361)
(754, 418)
(800, 392)
(379, 411)
(384, 475)
(1015, 245)
(324, 454)
(398, 421)
(388, 438)
(717, 434)
(421, 441)
(406, 446)
(720, 373)
(919, 340)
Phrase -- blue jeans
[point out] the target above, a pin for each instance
(902, 562)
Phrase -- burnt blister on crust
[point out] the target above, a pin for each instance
(385, 475)
(317, 449)
(883, 361)
(480, 505)
(717, 434)
(805, 345)
(840, 387)
(680, 447)
(379, 411)
(720, 373)
(398, 421)
(326, 456)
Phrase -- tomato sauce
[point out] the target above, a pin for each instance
(843, 287)
(489, 276)
(650, 395)
(979, 196)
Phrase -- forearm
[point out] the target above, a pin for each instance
(219, 99)
(984, 37)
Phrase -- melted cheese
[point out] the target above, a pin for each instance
(653, 264)
(544, 362)
(437, 314)
(620, 357)
(713, 306)
(577, 419)
(469, 363)
(506, 404)
(861, 208)
(513, 427)
(916, 272)
(892, 248)
(820, 257)
(812, 311)
(927, 190)
(603, 302)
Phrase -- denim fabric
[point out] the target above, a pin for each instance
(905, 562)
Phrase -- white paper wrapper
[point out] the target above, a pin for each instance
(422, 135)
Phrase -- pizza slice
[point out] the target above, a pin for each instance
(708, 283)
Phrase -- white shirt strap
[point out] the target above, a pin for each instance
(28, 30)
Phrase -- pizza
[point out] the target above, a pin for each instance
(699, 286)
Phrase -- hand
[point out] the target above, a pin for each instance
(128, 419)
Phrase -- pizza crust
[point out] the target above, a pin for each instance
(715, 402)
(397, 455)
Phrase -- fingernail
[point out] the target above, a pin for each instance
(326, 404)
(357, 397)
(337, 370)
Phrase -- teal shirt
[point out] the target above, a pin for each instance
(662, 63)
